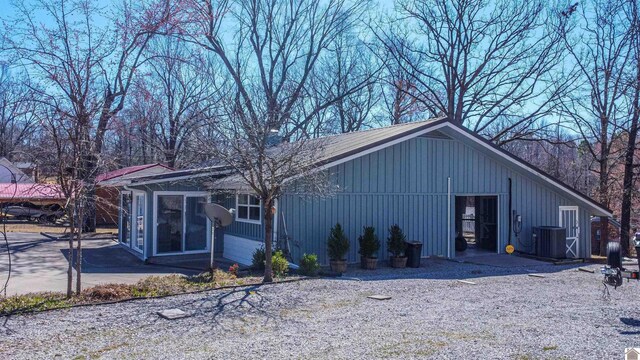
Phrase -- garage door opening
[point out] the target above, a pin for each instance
(476, 224)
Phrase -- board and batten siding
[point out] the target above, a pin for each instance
(406, 184)
(241, 239)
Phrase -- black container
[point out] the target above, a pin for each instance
(413, 252)
(638, 256)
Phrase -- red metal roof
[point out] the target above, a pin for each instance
(126, 171)
(21, 191)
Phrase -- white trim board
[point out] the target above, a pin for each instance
(239, 249)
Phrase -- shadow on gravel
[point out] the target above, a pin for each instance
(235, 303)
(441, 269)
(632, 323)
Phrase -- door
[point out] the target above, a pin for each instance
(139, 219)
(569, 221)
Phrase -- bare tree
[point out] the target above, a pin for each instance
(480, 61)
(185, 86)
(599, 46)
(270, 50)
(84, 71)
(633, 108)
(17, 121)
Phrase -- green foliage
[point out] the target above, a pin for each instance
(279, 264)
(257, 262)
(396, 241)
(32, 302)
(369, 243)
(309, 265)
(338, 244)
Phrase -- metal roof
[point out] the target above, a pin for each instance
(26, 191)
(338, 148)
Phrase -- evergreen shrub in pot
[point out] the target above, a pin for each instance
(337, 247)
(369, 246)
(396, 246)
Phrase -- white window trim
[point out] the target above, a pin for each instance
(134, 215)
(120, 218)
(184, 194)
(133, 231)
(259, 206)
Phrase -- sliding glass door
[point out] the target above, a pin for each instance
(181, 224)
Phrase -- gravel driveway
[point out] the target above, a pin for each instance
(507, 314)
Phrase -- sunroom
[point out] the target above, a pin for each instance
(164, 223)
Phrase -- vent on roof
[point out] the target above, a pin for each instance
(436, 134)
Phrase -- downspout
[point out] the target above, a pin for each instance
(449, 217)
(274, 232)
(510, 214)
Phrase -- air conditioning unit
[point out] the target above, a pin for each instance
(551, 241)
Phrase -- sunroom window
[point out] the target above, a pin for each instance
(248, 208)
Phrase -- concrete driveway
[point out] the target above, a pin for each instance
(40, 264)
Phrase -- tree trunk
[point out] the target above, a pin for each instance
(268, 240)
(70, 267)
(603, 184)
(627, 183)
(79, 260)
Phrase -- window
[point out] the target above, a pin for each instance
(181, 224)
(248, 208)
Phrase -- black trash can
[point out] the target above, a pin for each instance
(414, 252)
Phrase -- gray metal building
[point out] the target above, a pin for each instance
(429, 177)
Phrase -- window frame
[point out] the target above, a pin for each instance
(248, 205)
(184, 195)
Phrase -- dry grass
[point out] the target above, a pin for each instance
(152, 286)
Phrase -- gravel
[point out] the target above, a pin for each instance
(506, 314)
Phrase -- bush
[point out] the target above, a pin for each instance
(257, 262)
(309, 265)
(233, 270)
(396, 241)
(369, 243)
(279, 264)
(338, 244)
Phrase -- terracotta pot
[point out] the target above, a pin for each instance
(399, 262)
(370, 263)
(338, 266)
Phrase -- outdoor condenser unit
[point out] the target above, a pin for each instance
(551, 241)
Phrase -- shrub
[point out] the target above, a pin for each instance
(108, 292)
(338, 244)
(309, 265)
(369, 243)
(233, 270)
(257, 262)
(279, 264)
(396, 241)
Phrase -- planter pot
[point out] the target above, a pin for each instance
(399, 262)
(363, 262)
(370, 263)
(338, 266)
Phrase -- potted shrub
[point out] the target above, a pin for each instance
(369, 246)
(397, 247)
(338, 246)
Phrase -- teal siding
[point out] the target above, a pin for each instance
(238, 228)
(407, 184)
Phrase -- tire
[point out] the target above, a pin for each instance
(614, 256)
(461, 244)
(42, 219)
